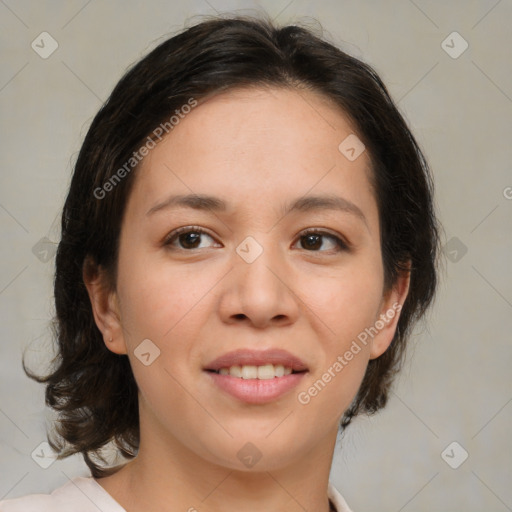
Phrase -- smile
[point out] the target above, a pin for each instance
(264, 372)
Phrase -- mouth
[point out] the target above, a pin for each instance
(256, 377)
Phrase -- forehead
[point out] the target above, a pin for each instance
(257, 145)
(272, 123)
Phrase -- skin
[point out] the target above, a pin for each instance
(258, 149)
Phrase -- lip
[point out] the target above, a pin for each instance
(256, 391)
(257, 358)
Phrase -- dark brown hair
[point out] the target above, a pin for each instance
(92, 389)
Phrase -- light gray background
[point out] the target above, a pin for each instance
(456, 385)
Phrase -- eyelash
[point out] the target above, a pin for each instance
(341, 244)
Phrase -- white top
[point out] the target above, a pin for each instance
(84, 494)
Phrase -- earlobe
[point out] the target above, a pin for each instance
(104, 306)
(387, 321)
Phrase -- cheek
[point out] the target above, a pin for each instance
(344, 304)
(164, 304)
(158, 297)
(346, 301)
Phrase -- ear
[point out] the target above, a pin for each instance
(389, 313)
(105, 306)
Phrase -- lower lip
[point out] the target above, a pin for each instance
(256, 391)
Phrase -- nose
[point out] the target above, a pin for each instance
(259, 293)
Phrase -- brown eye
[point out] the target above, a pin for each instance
(315, 240)
(187, 238)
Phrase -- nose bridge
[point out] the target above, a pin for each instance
(258, 282)
(258, 261)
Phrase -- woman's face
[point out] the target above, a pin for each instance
(282, 261)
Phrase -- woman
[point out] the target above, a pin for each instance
(248, 238)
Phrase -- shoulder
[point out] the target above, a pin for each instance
(337, 499)
(30, 503)
(81, 494)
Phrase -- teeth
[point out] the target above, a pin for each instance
(249, 372)
(267, 371)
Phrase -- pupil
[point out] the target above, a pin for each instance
(311, 239)
(189, 239)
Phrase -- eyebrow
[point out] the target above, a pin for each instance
(302, 204)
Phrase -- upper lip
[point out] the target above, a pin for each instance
(249, 357)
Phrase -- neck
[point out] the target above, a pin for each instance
(166, 476)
